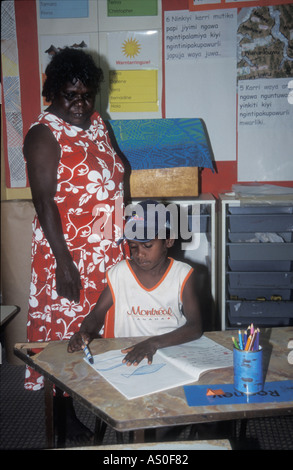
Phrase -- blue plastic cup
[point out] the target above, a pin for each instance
(248, 371)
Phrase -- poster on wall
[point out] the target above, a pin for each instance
(133, 61)
(200, 73)
(132, 7)
(243, 96)
(67, 16)
(265, 115)
(64, 9)
(197, 5)
(13, 123)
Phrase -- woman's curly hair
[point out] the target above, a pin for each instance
(70, 65)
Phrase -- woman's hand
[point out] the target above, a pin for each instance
(145, 349)
(68, 282)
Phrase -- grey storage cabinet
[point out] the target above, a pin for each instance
(256, 261)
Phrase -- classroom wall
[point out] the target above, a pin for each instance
(101, 31)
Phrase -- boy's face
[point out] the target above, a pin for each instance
(148, 255)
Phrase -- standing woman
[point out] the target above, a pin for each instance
(76, 180)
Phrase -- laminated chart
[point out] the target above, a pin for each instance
(12, 125)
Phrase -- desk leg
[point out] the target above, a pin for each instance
(49, 414)
(138, 436)
(100, 429)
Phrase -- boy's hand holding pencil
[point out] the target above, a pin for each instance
(78, 341)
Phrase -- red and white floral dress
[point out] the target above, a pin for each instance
(89, 197)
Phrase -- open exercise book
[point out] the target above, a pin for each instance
(172, 367)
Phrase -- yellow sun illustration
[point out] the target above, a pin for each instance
(131, 47)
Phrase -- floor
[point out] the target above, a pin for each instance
(22, 421)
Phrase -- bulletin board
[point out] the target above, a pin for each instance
(228, 63)
(125, 38)
(234, 63)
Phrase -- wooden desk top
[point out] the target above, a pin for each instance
(6, 312)
(73, 375)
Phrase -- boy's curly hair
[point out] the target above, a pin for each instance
(70, 65)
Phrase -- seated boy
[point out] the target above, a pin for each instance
(153, 294)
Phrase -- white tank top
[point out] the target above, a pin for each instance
(147, 312)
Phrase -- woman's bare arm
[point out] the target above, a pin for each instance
(42, 153)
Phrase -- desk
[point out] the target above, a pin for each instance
(169, 408)
(6, 312)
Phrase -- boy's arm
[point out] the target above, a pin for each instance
(191, 330)
(93, 322)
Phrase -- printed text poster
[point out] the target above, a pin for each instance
(265, 115)
(200, 78)
(134, 62)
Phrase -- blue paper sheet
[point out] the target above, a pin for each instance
(64, 9)
(163, 143)
(196, 395)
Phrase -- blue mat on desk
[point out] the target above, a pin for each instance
(163, 143)
(196, 395)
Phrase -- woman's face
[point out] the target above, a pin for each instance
(75, 104)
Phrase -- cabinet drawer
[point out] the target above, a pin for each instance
(263, 266)
(260, 251)
(260, 293)
(260, 223)
(260, 237)
(260, 279)
(261, 209)
(274, 313)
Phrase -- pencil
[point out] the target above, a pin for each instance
(87, 353)
(248, 344)
(240, 340)
(244, 339)
(256, 343)
(250, 348)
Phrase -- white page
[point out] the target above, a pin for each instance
(164, 372)
(144, 379)
(265, 136)
(199, 356)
